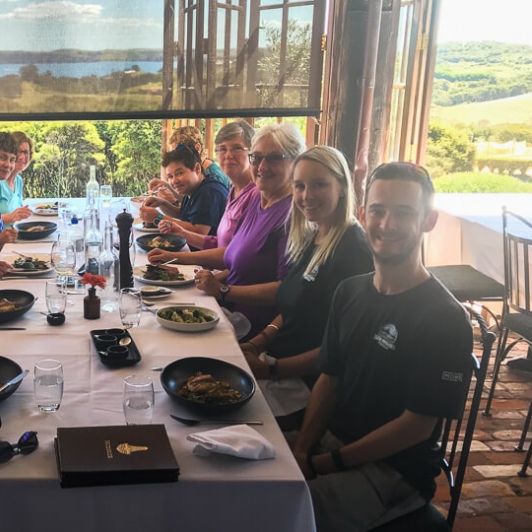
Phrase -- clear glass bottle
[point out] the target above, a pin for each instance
(93, 186)
(108, 267)
(76, 236)
(93, 243)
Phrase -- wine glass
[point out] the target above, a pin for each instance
(106, 195)
(130, 306)
(63, 258)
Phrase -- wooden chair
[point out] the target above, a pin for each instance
(428, 518)
(517, 311)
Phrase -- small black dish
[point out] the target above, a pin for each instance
(103, 341)
(133, 356)
(56, 318)
(8, 370)
(119, 333)
(25, 231)
(175, 375)
(117, 352)
(176, 242)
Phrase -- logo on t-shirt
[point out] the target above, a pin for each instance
(387, 336)
(452, 376)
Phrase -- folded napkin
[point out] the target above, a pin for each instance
(237, 440)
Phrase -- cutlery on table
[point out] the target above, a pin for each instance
(21, 254)
(192, 422)
(152, 310)
(12, 328)
(168, 262)
(14, 380)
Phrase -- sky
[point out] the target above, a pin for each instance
(486, 20)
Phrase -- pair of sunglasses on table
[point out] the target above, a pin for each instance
(26, 444)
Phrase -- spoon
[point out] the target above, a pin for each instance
(125, 341)
(193, 422)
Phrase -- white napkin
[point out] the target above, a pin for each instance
(237, 440)
(284, 396)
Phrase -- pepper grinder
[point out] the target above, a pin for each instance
(124, 222)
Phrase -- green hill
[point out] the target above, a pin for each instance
(517, 109)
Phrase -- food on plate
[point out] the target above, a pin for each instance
(160, 242)
(206, 389)
(7, 306)
(185, 315)
(47, 206)
(31, 263)
(162, 273)
(148, 225)
(34, 229)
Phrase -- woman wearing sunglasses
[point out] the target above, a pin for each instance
(255, 260)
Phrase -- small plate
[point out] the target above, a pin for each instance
(132, 358)
(21, 271)
(140, 227)
(187, 271)
(188, 327)
(155, 292)
(45, 212)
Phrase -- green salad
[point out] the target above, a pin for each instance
(185, 315)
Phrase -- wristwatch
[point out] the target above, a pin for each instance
(157, 220)
(224, 290)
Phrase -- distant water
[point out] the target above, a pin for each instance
(80, 70)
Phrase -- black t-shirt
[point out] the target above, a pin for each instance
(304, 302)
(410, 351)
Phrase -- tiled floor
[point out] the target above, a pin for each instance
(494, 498)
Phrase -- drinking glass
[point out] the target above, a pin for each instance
(106, 195)
(63, 258)
(138, 400)
(56, 295)
(48, 385)
(130, 306)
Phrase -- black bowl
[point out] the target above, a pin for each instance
(8, 370)
(176, 374)
(177, 242)
(23, 300)
(25, 234)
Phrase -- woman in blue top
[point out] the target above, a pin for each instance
(11, 207)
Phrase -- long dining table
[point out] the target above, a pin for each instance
(215, 493)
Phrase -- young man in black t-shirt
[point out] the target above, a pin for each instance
(395, 360)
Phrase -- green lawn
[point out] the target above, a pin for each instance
(508, 110)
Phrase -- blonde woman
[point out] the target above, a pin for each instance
(325, 246)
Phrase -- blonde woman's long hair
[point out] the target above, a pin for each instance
(302, 231)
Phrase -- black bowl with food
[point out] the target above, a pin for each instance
(14, 303)
(207, 386)
(35, 230)
(164, 242)
(8, 370)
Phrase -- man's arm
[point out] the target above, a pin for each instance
(397, 435)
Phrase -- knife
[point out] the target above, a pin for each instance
(19, 377)
(12, 328)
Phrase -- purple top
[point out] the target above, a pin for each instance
(257, 254)
(234, 210)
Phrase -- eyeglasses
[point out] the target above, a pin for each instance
(237, 150)
(26, 444)
(272, 158)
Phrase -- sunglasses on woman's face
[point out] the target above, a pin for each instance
(26, 444)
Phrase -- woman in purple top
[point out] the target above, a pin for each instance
(233, 143)
(255, 261)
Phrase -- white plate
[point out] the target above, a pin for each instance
(139, 227)
(10, 259)
(189, 327)
(45, 212)
(187, 271)
(155, 292)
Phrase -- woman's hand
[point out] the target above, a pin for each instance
(207, 282)
(8, 235)
(21, 214)
(4, 268)
(158, 256)
(260, 369)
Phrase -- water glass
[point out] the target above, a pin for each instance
(138, 400)
(106, 195)
(56, 296)
(130, 306)
(63, 257)
(48, 385)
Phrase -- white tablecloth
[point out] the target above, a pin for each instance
(469, 230)
(212, 494)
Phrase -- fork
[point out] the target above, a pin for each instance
(193, 422)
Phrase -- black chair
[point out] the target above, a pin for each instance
(428, 518)
(517, 311)
(523, 471)
(468, 284)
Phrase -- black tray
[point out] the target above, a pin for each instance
(132, 358)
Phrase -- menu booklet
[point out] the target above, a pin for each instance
(125, 454)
